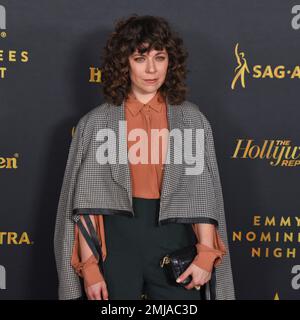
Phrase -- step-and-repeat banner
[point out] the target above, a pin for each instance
(244, 74)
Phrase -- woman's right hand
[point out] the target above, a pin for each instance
(97, 291)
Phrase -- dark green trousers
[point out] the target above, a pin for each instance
(134, 249)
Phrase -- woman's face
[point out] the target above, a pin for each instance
(148, 66)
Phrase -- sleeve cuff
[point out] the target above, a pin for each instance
(89, 271)
(207, 258)
(91, 274)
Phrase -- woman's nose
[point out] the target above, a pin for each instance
(150, 66)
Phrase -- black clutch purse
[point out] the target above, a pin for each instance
(176, 262)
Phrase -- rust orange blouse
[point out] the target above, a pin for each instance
(146, 183)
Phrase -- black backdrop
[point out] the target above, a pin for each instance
(49, 78)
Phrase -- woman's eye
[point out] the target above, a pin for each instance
(139, 59)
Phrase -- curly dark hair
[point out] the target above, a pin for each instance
(129, 35)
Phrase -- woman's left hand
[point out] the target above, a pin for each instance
(199, 276)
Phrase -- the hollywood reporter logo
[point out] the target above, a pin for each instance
(182, 141)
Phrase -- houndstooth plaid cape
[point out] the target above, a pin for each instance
(91, 188)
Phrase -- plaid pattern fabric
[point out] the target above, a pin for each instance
(91, 188)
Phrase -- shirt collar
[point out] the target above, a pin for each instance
(135, 106)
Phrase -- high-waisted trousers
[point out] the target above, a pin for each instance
(135, 246)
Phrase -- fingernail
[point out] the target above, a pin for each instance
(178, 280)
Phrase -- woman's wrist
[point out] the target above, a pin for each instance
(89, 271)
(207, 257)
(91, 274)
(205, 260)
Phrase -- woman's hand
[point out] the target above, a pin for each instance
(97, 291)
(199, 276)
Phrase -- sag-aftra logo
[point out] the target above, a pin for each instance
(9, 238)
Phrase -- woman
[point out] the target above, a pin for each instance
(137, 212)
